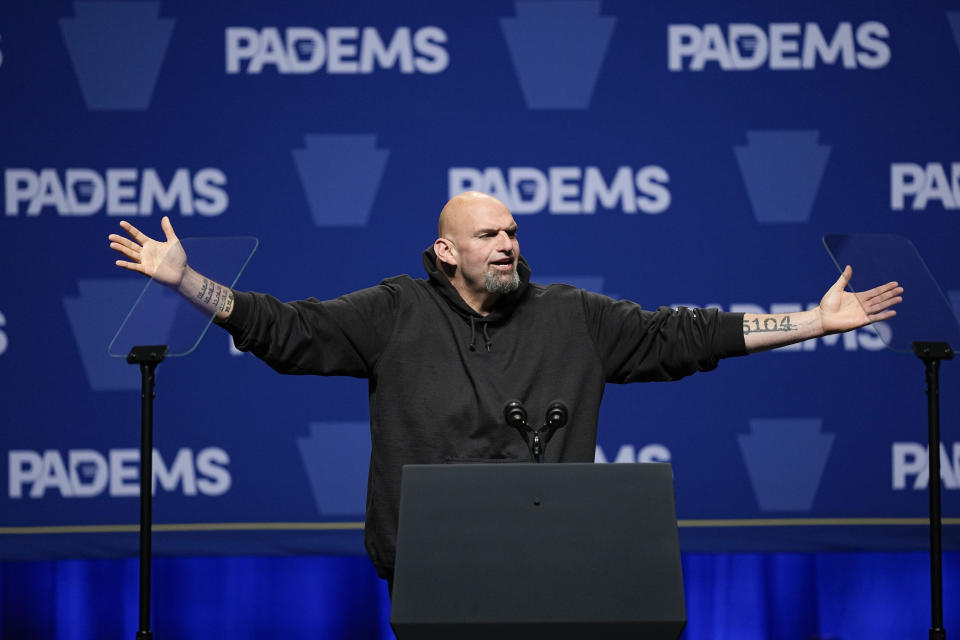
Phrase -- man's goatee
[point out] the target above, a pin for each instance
(497, 283)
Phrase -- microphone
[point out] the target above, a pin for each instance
(556, 415)
(515, 414)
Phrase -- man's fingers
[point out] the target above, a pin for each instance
(877, 317)
(882, 305)
(882, 294)
(132, 266)
(167, 227)
(135, 233)
(133, 254)
(127, 242)
(884, 288)
(880, 299)
(846, 275)
(890, 294)
(844, 279)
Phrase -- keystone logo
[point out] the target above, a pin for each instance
(94, 316)
(557, 49)
(340, 175)
(335, 456)
(116, 49)
(953, 17)
(785, 460)
(782, 172)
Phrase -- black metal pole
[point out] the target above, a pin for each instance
(932, 353)
(937, 631)
(148, 358)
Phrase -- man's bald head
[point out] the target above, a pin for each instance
(477, 248)
(460, 213)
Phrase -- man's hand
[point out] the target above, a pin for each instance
(841, 310)
(165, 262)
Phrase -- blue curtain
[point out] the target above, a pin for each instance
(836, 596)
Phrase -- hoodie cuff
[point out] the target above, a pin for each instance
(238, 317)
(731, 340)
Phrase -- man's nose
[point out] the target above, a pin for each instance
(504, 242)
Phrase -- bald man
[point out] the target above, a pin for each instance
(444, 354)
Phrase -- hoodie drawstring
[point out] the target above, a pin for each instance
(488, 343)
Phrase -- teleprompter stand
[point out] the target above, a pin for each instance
(162, 320)
(932, 353)
(148, 358)
(924, 314)
(532, 550)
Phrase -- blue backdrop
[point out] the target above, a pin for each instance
(670, 154)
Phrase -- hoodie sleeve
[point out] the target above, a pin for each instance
(344, 336)
(635, 345)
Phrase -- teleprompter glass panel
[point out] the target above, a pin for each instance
(160, 316)
(925, 315)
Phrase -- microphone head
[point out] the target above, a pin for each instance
(515, 414)
(557, 415)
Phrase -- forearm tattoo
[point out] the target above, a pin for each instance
(203, 289)
(215, 295)
(209, 292)
(227, 305)
(768, 325)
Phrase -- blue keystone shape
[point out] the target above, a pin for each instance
(782, 172)
(94, 315)
(336, 456)
(557, 49)
(340, 175)
(117, 49)
(785, 460)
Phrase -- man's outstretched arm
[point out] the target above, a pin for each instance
(839, 311)
(166, 263)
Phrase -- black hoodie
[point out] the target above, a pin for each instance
(440, 373)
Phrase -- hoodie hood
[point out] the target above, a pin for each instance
(501, 310)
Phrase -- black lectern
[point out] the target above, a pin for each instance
(538, 550)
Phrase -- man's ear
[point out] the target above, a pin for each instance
(446, 251)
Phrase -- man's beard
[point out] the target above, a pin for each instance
(495, 282)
